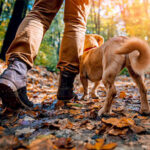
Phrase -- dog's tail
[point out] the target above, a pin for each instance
(140, 61)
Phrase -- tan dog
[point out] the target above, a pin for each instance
(105, 62)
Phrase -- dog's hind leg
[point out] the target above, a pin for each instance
(92, 93)
(108, 81)
(84, 82)
(145, 109)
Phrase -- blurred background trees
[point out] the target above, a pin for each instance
(107, 17)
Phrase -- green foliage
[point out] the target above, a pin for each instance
(49, 49)
(108, 18)
(124, 72)
(47, 57)
(3, 31)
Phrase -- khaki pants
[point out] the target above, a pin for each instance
(31, 31)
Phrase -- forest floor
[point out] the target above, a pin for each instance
(77, 127)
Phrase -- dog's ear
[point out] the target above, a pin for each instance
(99, 39)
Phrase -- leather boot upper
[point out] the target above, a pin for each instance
(16, 73)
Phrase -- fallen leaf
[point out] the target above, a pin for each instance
(102, 129)
(10, 142)
(109, 146)
(142, 117)
(99, 143)
(68, 125)
(118, 132)
(118, 109)
(24, 131)
(74, 104)
(95, 106)
(131, 115)
(89, 126)
(74, 112)
(90, 146)
(122, 94)
(120, 123)
(79, 117)
(64, 143)
(84, 123)
(42, 143)
(2, 128)
(137, 129)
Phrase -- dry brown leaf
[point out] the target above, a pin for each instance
(89, 126)
(122, 94)
(42, 143)
(74, 112)
(2, 128)
(69, 125)
(95, 106)
(95, 100)
(102, 129)
(109, 146)
(146, 123)
(90, 146)
(131, 115)
(10, 142)
(137, 129)
(64, 143)
(81, 89)
(118, 109)
(51, 126)
(118, 132)
(120, 123)
(79, 117)
(142, 117)
(59, 104)
(32, 113)
(144, 140)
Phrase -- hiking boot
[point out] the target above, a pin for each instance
(13, 90)
(65, 87)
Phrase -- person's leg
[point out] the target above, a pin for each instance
(32, 29)
(23, 50)
(75, 18)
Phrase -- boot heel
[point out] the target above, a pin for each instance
(8, 94)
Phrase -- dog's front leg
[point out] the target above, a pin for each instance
(84, 82)
(111, 93)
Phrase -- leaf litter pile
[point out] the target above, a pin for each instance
(76, 126)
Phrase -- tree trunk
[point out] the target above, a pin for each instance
(98, 17)
(1, 6)
(18, 14)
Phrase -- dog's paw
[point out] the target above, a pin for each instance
(85, 97)
(145, 111)
(101, 112)
(94, 96)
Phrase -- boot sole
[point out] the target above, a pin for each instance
(73, 98)
(9, 95)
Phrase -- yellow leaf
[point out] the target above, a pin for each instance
(99, 144)
(122, 94)
(109, 146)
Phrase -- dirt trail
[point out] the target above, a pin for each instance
(76, 127)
